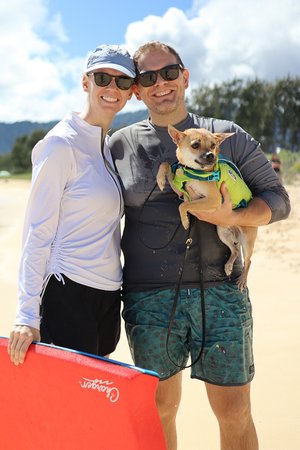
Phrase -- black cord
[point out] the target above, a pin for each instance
(189, 242)
(172, 315)
(140, 222)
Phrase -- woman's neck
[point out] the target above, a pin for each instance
(95, 121)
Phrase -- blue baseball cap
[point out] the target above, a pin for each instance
(111, 57)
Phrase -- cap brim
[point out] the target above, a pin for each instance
(122, 69)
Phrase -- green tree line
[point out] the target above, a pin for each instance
(19, 160)
(270, 112)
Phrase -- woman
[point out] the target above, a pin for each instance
(71, 240)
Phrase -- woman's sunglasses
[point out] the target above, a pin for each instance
(168, 73)
(103, 79)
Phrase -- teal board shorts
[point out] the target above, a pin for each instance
(227, 356)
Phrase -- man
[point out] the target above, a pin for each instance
(178, 301)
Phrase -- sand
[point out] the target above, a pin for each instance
(274, 283)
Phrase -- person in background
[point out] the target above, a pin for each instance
(178, 301)
(71, 240)
(276, 164)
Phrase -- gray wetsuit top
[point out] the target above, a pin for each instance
(154, 240)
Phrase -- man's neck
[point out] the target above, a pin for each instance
(163, 120)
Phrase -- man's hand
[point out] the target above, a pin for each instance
(19, 341)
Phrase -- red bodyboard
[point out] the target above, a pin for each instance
(60, 399)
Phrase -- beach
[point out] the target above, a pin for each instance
(274, 282)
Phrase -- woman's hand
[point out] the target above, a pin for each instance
(19, 341)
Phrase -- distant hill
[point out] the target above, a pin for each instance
(9, 132)
(124, 119)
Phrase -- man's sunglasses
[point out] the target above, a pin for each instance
(103, 79)
(168, 73)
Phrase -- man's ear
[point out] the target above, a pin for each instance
(186, 77)
(136, 91)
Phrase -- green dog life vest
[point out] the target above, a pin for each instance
(239, 192)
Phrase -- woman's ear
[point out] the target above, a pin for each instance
(85, 82)
(136, 92)
(130, 94)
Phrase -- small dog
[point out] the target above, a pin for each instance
(197, 176)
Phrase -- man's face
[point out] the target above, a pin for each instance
(165, 96)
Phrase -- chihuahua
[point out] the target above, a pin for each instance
(197, 177)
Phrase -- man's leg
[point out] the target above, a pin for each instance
(231, 405)
(168, 397)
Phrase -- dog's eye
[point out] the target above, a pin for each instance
(213, 146)
(195, 145)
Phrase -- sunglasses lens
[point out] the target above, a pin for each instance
(124, 83)
(148, 78)
(168, 73)
(102, 79)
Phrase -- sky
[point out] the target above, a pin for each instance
(44, 45)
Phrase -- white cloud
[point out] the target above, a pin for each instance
(57, 29)
(217, 41)
(33, 82)
(236, 38)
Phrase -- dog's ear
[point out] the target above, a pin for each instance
(175, 134)
(220, 137)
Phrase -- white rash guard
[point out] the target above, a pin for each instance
(72, 221)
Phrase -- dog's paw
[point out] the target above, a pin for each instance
(242, 282)
(162, 173)
(185, 221)
(161, 183)
(184, 216)
(228, 268)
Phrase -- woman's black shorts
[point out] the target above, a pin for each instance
(80, 317)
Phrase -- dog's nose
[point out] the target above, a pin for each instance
(209, 156)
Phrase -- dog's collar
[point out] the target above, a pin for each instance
(201, 175)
